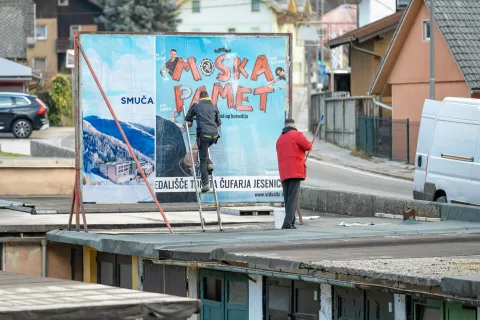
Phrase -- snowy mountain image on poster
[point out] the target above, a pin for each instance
(124, 66)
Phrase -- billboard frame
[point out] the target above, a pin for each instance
(78, 114)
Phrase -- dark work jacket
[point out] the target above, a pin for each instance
(207, 115)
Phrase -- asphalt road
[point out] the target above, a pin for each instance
(327, 175)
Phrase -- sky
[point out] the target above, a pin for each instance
(124, 65)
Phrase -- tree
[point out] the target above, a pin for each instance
(139, 15)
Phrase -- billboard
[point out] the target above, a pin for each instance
(149, 80)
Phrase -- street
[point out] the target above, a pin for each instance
(330, 176)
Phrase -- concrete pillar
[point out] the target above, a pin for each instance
(326, 302)
(255, 298)
(193, 287)
(400, 307)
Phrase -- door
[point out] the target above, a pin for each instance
(279, 293)
(236, 296)
(455, 311)
(424, 142)
(428, 310)
(212, 293)
(6, 116)
(349, 304)
(306, 300)
(451, 158)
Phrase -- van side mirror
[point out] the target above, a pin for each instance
(419, 161)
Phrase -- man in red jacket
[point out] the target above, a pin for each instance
(291, 148)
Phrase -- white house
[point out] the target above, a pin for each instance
(374, 10)
(248, 16)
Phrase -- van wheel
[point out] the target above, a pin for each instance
(442, 199)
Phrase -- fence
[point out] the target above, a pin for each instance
(340, 124)
(384, 137)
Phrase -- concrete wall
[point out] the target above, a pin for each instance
(25, 258)
(23, 176)
(367, 205)
(373, 10)
(255, 298)
(47, 150)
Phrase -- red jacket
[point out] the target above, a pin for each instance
(291, 148)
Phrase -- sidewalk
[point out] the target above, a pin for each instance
(328, 152)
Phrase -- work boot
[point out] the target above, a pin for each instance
(205, 188)
(210, 168)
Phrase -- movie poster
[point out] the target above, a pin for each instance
(150, 80)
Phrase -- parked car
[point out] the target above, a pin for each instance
(22, 113)
(448, 152)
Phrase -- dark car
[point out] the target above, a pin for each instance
(21, 114)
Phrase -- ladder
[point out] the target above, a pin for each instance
(198, 192)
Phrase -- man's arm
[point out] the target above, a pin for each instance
(218, 120)
(304, 143)
(190, 114)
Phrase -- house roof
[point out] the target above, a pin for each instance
(369, 31)
(18, 25)
(458, 23)
(13, 71)
(30, 297)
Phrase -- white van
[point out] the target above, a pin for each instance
(447, 162)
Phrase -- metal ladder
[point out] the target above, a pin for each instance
(197, 189)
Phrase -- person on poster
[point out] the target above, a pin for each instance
(281, 76)
(208, 122)
(171, 64)
(291, 147)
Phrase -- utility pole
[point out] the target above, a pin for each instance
(322, 50)
(309, 78)
(317, 46)
(432, 50)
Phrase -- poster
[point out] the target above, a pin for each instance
(149, 80)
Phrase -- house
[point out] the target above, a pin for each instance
(404, 74)
(56, 22)
(374, 10)
(368, 45)
(15, 77)
(254, 16)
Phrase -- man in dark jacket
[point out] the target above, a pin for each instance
(208, 122)
(291, 148)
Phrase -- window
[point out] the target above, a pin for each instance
(5, 101)
(62, 3)
(21, 101)
(196, 6)
(426, 30)
(74, 29)
(39, 64)
(114, 270)
(231, 30)
(255, 5)
(212, 289)
(41, 32)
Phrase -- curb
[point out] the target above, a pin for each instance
(365, 170)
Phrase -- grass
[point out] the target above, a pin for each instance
(361, 154)
(8, 154)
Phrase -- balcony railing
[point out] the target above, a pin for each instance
(63, 44)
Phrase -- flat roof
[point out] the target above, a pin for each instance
(29, 297)
(321, 239)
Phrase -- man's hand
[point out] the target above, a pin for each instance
(188, 123)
